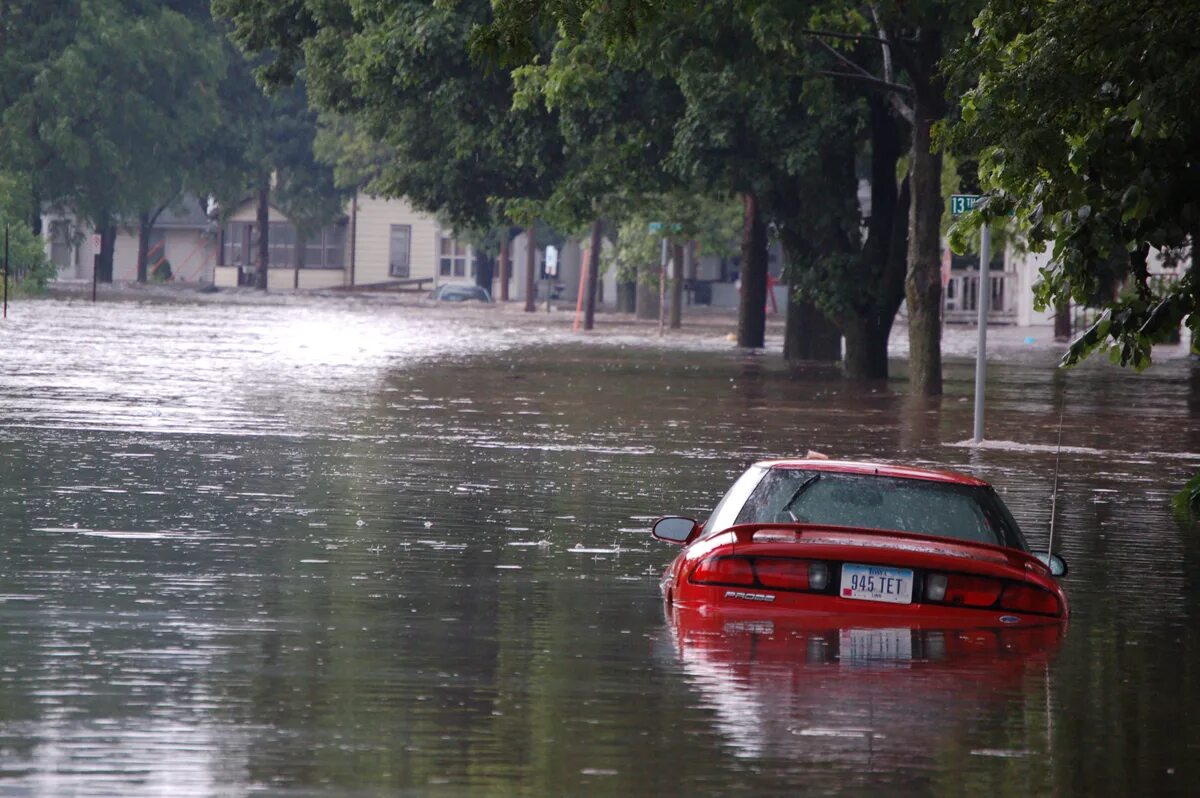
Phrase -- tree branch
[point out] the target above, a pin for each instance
(870, 80)
(896, 91)
(853, 37)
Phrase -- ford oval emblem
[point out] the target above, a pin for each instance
(1009, 619)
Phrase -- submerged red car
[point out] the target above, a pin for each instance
(863, 539)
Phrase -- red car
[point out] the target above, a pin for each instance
(865, 540)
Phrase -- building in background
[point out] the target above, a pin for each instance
(183, 244)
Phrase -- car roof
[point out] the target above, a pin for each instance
(874, 468)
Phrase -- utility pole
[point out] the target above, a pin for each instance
(985, 299)
(5, 271)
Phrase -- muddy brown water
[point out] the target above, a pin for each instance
(338, 549)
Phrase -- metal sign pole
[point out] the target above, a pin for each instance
(984, 297)
(662, 289)
(5, 271)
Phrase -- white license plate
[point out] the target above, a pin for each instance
(877, 583)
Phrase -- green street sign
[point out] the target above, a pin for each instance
(657, 227)
(961, 203)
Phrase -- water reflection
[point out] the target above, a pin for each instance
(864, 698)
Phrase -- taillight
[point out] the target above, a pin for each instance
(972, 591)
(783, 574)
(965, 591)
(724, 571)
(1027, 598)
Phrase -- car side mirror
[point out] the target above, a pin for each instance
(1056, 564)
(674, 528)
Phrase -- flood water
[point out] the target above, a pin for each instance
(337, 549)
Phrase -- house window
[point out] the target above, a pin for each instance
(398, 260)
(325, 248)
(453, 260)
(236, 248)
(281, 245)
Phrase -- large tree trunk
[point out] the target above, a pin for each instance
(143, 249)
(108, 243)
(1062, 320)
(866, 348)
(485, 267)
(809, 335)
(923, 287)
(1195, 267)
(752, 310)
(504, 266)
(884, 253)
(530, 265)
(264, 226)
(626, 296)
(676, 320)
(593, 278)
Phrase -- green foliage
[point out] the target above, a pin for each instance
(714, 223)
(29, 269)
(1085, 127)
(1187, 501)
(402, 72)
(110, 106)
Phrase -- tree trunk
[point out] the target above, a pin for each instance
(530, 265)
(923, 286)
(626, 296)
(676, 320)
(646, 303)
(485, 267)
(809, 335)
(1195, 267)
(143, 249)
(35, 214)
(593, 278)
(504, 266)
(108, 243)
(752, 310)
(264, 227)
(297, 258)
(866, 349)
(1062, 320)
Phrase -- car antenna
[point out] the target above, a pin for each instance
(1054, 491)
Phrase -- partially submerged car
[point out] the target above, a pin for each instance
(460, 292)
(864, 539)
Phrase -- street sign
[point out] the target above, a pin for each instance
(96, 242)
(961, 203)
(658, 227)
(551, 261)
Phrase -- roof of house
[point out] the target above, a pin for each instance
(187, 214)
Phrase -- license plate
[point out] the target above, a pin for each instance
(877, 583)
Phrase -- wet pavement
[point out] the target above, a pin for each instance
(335, 547)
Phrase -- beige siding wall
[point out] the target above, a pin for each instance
(376, 216)
(316, 279)
(225, 277)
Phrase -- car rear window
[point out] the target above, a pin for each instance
(963, 512)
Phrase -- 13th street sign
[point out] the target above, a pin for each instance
(961, 203)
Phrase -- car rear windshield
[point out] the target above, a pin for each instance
(963, 512)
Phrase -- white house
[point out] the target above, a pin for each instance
(183, 239)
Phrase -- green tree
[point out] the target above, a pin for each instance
(1085, 128)
(912, 35)
(1082, 118)
(109, 110)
